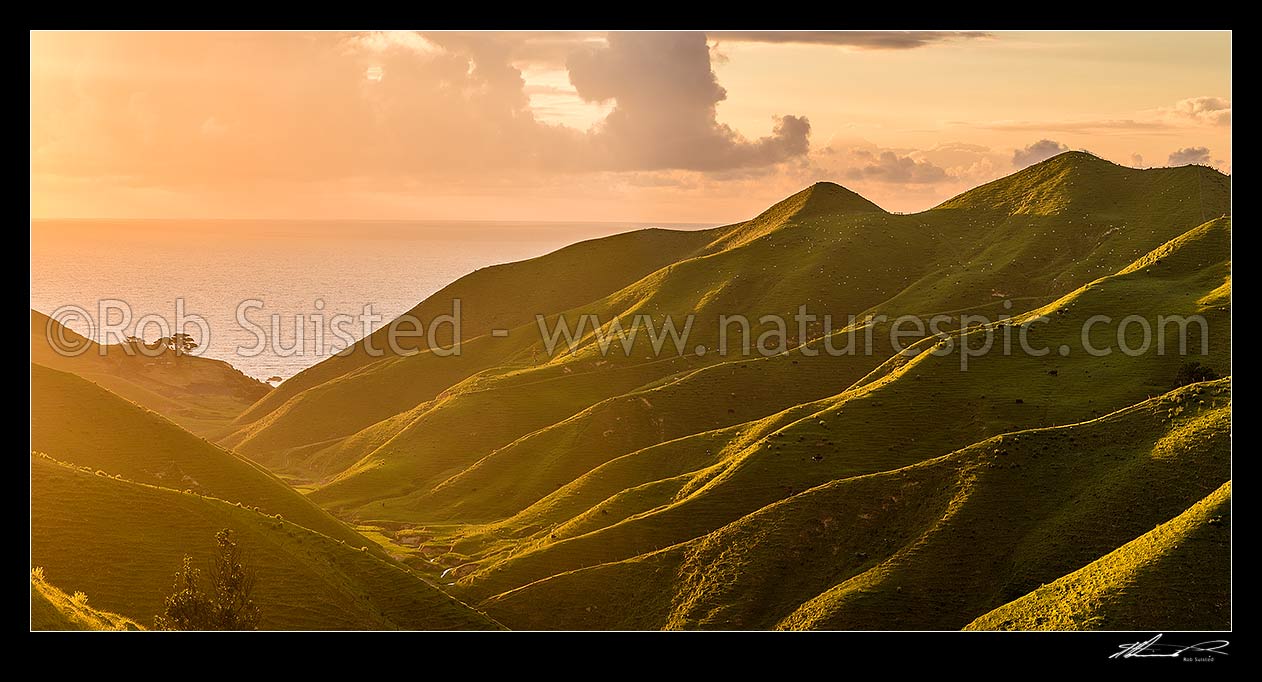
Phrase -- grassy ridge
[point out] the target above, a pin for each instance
(76, 421)
(122, 542)
(503, 297)
(1172, 577)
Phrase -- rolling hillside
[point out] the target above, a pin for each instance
(409, 453)
(949, 478)
(875, 425)
(928, 546)
(120, 494)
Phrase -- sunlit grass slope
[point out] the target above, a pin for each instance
(79, 422)
(932, 545)
(121, 542)
(499, 297)
(200, 394)
(1173, 577)
(702, 482)
(52, 609)
(593, 479)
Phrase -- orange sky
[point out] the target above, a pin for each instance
(670, 127)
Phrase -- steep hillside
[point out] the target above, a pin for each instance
(507, 296)
(703, 481)
(121, 542)
(1170, 578)
(76, 421)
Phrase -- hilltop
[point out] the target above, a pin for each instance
(200, 394)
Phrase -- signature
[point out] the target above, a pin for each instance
(1153, 648)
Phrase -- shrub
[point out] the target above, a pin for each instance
(1193, 372)
(224, 602)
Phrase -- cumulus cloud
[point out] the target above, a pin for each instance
(890, 167)
(1137, 160)
(1211, 110)
(1034, 153)
(869, 40)
(1187, 155)
(215, 109)
(664, 117)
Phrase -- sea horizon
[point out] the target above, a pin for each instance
(323, 269)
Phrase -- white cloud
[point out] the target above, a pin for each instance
(1036, 152)
(1187, 155)
(1209, 110)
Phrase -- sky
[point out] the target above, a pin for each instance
(618, 126)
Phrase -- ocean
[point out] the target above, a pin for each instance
(104, 278)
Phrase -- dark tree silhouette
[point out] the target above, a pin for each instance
(180, 343)
(224, 602)
(1193, 372)
(187, 607)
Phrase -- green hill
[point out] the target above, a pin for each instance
(502, 296)
(122, 542)
(816, 248)
(694, 484)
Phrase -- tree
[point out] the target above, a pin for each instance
(187, 607)
(224, 601)
(1193, 372)
(233, 585)
(180, 343)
